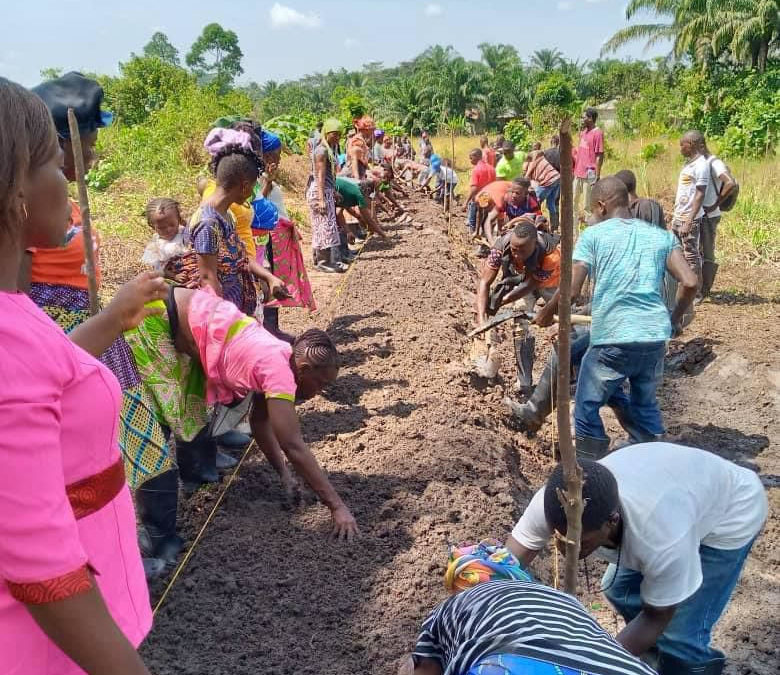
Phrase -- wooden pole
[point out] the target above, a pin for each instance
(86, 222)
(571, 497)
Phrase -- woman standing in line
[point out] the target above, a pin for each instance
(320, 196)
(73, 597)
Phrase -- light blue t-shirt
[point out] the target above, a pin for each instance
(627, 259)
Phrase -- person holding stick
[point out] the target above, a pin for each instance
(676, 524)
(73, 596)
(631, 324)
(498, 621)
(56, 280)
(530, 264)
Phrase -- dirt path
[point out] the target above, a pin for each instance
(421, 454)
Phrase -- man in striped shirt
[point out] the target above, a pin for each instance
(513, 628)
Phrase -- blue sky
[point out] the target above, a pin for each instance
(290, 38)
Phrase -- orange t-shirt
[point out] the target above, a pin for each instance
(66, 265)
(493, 192)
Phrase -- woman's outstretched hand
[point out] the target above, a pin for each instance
(344, 524)
(129, 304)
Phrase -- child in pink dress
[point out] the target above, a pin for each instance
(67, 515)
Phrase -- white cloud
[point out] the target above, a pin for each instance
(349, 43)
(286, 17)
(433, 9)
(565, 5)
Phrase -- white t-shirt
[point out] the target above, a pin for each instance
(448, 176)
(673, 499)
(276, 197)
(695, 173)
(718, 168)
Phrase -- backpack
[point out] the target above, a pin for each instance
(731, 199)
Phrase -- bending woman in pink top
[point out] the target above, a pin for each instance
(201, 351)
(73, 596)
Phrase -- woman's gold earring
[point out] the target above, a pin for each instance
(24, 210)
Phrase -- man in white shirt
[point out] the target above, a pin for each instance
(689, 203)
(676, 524)
(720, 186)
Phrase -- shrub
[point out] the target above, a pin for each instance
(517, 132)
(651, 151)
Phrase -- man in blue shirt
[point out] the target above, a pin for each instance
(626, 258)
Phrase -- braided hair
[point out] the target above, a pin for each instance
(599, 495)
(234, 164)
(316, 348)
(159, 205)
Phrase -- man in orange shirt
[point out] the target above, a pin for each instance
(530, 263)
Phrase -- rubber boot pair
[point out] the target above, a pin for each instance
(197, 460)
(525, 346)
(671, 665)
(156, 502)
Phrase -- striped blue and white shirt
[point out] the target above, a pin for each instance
(527, 619)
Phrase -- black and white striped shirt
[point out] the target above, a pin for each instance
(527, 619)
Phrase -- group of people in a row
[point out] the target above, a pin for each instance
(104, 413)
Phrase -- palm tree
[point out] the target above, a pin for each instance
(750, 29)
(746, 30)
(499, 57)
(546, 60)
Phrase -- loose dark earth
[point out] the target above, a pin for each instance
(420, 452)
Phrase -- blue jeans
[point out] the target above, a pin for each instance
(472, 216)
(603, 371)
(513, 664)
(687, 636)
(550, 194)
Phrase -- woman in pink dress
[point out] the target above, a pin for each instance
(73, 596)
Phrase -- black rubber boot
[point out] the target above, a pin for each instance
(591, 448)
(525, 345)
(156, 502)
(531, 416)
(671, 665)
(708, 272)
(225, 462)
(197, 460)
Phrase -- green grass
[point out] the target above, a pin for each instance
(749, 233)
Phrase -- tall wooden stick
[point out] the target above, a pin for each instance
(571, 497)
(86, 222)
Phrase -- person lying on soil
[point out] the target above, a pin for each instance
(530, 264)
(498, 621)
(73, 597)
(482, 174)
(220, 355)
(631, 324)
(676, 524)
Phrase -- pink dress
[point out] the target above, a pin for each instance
(65, 507)
(238, 355)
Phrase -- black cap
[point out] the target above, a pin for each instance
(84, 95)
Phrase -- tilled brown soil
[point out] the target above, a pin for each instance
(420, 452)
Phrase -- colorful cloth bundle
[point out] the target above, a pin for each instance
(471, 564)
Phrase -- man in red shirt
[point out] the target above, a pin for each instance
(481, 175)
(587, 165)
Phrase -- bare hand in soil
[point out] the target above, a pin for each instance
(344, 524)
(129, 303)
